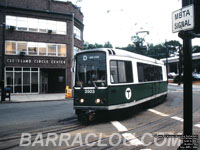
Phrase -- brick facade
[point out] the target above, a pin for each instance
(43, 9)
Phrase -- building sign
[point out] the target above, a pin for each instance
(183, 19)
(34, 61)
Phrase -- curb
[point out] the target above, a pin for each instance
(15, 101)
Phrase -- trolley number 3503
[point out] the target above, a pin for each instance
(89, 91)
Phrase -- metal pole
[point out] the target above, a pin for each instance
(180, 66)
(2, 56)
(187, 54)
(72, 64)
(167, 64)
(187, 80)
(187, 77)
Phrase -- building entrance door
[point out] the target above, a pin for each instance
(44, 82)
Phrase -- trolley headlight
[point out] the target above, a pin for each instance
(82, 100)
(97, 101)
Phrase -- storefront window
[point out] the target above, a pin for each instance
(9, 80)
(18, 82)
(61, 50)
(25, 79)
(10, 47)
(34, 81)
(26, 82)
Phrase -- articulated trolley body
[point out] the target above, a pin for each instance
(112, 79)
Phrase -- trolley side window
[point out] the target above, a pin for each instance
(121, 71)
(148, 72)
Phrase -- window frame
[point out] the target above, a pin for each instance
(25, 24)
(12, 50)
(37, 45)
(156, 73)
(127, 81)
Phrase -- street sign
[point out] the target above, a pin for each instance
(183, 19)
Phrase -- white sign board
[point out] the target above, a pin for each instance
(183, 19)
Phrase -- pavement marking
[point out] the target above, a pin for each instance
(158, 113)
(132, 139)
(174, 117)
(128, 136)
(197, 125)
(119, 126)
(177, 118)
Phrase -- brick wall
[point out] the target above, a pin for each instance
(50, 10)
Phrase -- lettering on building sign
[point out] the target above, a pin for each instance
(183, 19)
(36, 61)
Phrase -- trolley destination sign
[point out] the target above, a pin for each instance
(183, 19)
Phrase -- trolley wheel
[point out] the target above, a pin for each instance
(83, 118)
(86, 118)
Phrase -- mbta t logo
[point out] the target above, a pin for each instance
(128, 93)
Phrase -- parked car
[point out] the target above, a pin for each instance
(172, 75)
(196, 76)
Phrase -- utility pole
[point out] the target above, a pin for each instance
(3, 55)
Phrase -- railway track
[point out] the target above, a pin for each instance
(155, 126)
(13, 141)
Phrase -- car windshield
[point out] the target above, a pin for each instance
(91, 69)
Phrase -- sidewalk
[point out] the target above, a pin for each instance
(194, 84)
(36, 97)
(176, 87)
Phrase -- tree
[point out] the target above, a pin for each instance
(158, 51)
(137, 41)
(87, 45)
(108, 45)
(173, 47)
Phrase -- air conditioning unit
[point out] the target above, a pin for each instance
(11, 28)
(49, 31)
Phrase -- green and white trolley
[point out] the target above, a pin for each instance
(112, 79)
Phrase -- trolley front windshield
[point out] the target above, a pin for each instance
(91, 69)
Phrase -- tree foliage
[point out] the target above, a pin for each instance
(159, 51)
(96, 45)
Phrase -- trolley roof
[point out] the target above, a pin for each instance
(124, 53)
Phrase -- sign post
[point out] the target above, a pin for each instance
(185, 22)
(187, 80)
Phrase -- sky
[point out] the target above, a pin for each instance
(117, 20)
